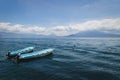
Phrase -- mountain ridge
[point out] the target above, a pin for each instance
(94, 33)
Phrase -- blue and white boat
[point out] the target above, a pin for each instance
(21, 51)
(36, 54)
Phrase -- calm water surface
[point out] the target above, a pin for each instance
(73, 59)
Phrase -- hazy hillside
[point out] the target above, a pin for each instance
(94, 34)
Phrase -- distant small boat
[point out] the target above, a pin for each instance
(21, 51)
(36, 54)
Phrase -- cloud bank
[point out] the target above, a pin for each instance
(106, 25)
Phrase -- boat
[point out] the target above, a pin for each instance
(36, 54)
(21, 51)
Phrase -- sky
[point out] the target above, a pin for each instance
(59, 17)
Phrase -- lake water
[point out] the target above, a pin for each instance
(73, 59)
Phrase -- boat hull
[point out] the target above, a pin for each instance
(36, 54)
(21, 51)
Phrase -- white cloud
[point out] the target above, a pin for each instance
(107, 25)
